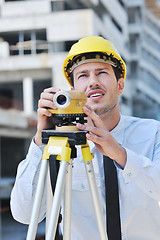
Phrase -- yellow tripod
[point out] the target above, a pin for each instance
(62, 145)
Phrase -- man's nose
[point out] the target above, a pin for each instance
(94, 81)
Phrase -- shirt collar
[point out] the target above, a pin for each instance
(118, 132)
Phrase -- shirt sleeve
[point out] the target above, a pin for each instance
(25, 185)
(144, 172)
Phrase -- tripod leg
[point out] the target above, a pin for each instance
(87, 158)
(67, 204)
(37, 201)
(57, 201)
(96, 202)
(49, 199)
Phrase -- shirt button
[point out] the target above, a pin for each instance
(82, 186)
(36, 155)
(129, 174)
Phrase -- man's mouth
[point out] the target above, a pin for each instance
(95, 94)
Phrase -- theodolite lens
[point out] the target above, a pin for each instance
(61, 99)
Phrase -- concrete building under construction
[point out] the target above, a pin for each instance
(35, 36)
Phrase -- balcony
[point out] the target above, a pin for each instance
(24, 8)
(116, 11)
(148, 91)
(134, 3)
(135, 28)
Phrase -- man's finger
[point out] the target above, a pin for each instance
(95, 118)
(44, 112)
(43, 103)
(94, 130)
(51, 89)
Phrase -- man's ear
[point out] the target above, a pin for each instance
(120, 86)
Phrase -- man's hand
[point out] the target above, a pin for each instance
(45, 119)
(105, 143)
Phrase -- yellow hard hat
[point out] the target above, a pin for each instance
(92, 49)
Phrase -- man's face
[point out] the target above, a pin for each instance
(98, 82)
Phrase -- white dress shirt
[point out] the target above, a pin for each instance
(139, 184)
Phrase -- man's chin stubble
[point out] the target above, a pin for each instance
(105, 110)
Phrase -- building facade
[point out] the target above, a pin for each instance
(35, 36)
(144, 61)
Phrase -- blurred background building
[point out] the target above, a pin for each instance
(35, 36)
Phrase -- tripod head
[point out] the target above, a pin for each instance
(69, 108)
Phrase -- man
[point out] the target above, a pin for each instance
(94, 67)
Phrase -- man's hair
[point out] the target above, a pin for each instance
(117, 73)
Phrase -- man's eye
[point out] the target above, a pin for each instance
(102, 72)
(81, 76)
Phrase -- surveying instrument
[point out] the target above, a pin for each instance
(61, 147)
